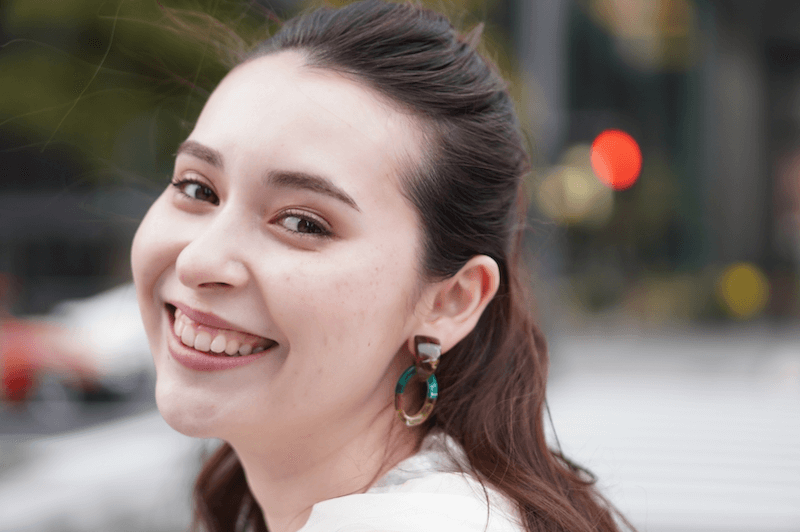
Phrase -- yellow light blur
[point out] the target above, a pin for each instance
(743, 290)
(570, 194)
(650, 34)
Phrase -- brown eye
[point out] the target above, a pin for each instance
(301, 225)
(197, 191)
(304, 224)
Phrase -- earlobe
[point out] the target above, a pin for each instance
(459, 301)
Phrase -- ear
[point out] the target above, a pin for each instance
(450, 309)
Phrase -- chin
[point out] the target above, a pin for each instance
(185, 414)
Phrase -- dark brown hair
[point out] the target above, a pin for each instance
(468, 193)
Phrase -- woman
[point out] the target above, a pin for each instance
(347, 209)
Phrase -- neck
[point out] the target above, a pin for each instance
(288, 479)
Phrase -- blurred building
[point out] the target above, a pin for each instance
(60, 240)
(710, 89)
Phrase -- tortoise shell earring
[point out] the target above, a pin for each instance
(427, 351)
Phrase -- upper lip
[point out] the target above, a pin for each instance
(207, 319)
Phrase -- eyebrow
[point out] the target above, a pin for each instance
(314, 183)
(277, 178)
(204, 153)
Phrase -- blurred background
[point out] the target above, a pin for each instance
(668, 284)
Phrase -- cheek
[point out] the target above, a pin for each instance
(350, 305)
(152, 252)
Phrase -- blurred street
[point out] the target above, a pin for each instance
(687, 430)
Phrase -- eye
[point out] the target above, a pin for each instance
(304, 224)
(196, 190)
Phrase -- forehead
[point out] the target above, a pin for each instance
(309, 118)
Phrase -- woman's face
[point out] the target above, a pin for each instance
(288, 224)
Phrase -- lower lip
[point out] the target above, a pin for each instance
(200, 361)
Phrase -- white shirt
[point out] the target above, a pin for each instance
(424, 493)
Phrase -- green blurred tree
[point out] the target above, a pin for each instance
(120, 82)
(116, 81)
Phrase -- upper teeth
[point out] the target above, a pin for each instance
(231, 342)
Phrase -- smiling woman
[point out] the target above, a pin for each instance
(346, 217)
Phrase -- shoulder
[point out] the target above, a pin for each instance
(428, 492)
(438, 501)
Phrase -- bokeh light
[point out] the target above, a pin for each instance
(743, 290)
(616, 159)
(570, 195)
(651, 35)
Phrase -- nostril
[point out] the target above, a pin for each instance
(213, 285)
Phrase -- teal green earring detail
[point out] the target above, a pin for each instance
(427, 353)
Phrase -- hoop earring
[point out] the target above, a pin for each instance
(427, 351)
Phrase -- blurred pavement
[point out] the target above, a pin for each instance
(687, 431)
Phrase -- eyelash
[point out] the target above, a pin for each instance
(181, 183)
(303, 217)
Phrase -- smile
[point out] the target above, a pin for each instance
(201, 346)
(216, 341)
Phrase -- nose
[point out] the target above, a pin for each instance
(213, 257)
